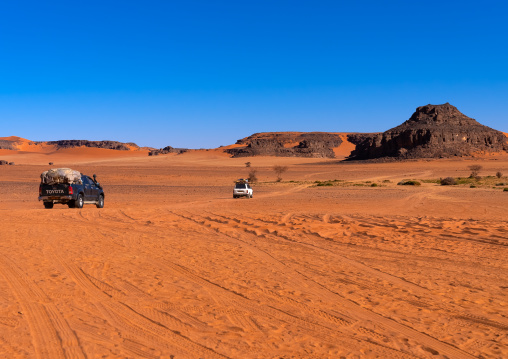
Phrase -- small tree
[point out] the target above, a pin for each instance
(499, 174)
(475, 170)
(279, 170)
(252, 176)
(247, 164)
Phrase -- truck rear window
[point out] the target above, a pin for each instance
(240, 186)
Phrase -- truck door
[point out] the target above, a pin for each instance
(87, 188)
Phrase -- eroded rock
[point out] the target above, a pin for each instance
(433, 131)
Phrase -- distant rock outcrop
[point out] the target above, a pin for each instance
(287, 144)
(111, 145)
(166, 150)
(6, 145)
(433, 131)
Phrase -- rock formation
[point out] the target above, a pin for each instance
(287, 144)
(6, 145)
(166, 150)
(433, 131)
(112, 145)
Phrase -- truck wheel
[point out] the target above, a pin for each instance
(79, 201)
(48, 205)
(100, 203)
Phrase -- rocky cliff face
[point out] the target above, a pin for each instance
(287, 144)
(433, 131)
(111, 145)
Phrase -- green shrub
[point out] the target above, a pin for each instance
(448, 181)
(409, 183)
(326, 183)
(506, 189)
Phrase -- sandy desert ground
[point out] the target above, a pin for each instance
(174, 267)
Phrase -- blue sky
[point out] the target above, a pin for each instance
(201, 74)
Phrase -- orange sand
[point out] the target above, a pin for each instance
(173, 267)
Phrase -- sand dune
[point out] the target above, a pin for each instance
(173, 267)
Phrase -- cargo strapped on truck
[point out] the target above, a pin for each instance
(61, 175)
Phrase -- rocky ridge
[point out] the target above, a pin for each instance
(287, 144)
(111, 145)
(166, 150)
(433, 131)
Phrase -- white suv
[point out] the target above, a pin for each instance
(242, 189)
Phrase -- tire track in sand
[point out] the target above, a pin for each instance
(356, 311)
(51, 334)
(128, 320)
(310, 324)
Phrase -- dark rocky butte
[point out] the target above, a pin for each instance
(433, 131)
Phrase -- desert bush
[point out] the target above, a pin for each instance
(387, 181)
(448, 181)
(279, 170)
(325, 183)
(505, 190)
(499, 174)
(475, 170)
(472, 186)
(252, 176)
(409, 183)
(247, 164)
(374, 185)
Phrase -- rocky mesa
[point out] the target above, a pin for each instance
(288, 144)
(433, 131)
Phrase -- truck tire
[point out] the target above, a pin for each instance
(48, 205)
(100, 203)
(79, 201)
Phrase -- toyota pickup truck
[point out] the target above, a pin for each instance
(74, 195)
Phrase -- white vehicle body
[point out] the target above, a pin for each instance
(242, 189)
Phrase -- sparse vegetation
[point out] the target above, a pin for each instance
(247, 164)
(499, 174)
(448, 181)
(252, 176)
(387, 181)
(409, 183)
(328, 183)
(433, 180)
(506, 189)
(374, 185)
(475, 171)
(279, 170)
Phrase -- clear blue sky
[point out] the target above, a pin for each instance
(206, 73)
